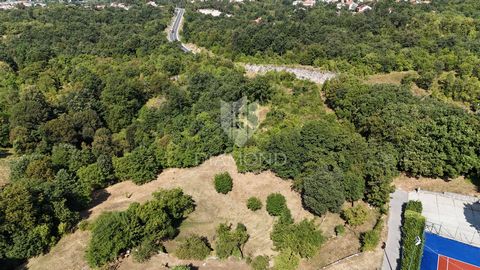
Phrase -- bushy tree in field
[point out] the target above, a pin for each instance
(145, 250)
(110, 235)
(223, 183)
(276, 204)
(260, 263)
(230, 243)
(323, 191)
(182, 267)
(286, 260)
(302, 238)
(371, 239)
(356, 215)
(254, 204)
(381, 168)
(287, 142)
(67, 185)
(193, 247)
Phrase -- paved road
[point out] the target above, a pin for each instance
(391, 258)
(173, 34)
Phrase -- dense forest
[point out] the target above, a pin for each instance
(91, 97)
(87, 101)
(440, 40)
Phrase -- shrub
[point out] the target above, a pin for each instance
(193, 248)
(223, 183)
(260, 263)
(145, 250)
(254, 204)
(302, 238)
(339, 230)
(370, 239)
(230, 243)
(356, 215)
(415, 206)
(286, 260)
(110, 235)
(84, 225)
(182, 267)
(413, 226)
(276, 204)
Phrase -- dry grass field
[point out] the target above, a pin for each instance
(211, 209)
(396, 79)
(343, 246)
(459, 185)
(389, 78)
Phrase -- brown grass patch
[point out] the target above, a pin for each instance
(396, 79)
(161, 261)
(6, 158)
(68, 253)
(388, 78)
(459, 185)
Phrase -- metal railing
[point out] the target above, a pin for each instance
(462, 234)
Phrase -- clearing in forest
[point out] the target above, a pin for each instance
(212, 208)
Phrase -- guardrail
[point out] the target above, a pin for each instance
(462, 234)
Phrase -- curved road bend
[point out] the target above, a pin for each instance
(173, 34)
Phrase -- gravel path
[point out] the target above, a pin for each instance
(301, 73)
(392, 249)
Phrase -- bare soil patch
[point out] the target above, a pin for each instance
(396, 79)
(6, 158)
(211, 209)
(459, 185)
(388, 78)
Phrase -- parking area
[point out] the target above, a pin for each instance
(451, 215)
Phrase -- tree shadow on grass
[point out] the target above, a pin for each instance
(98, 197)
(4, 153)
(475, 179)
